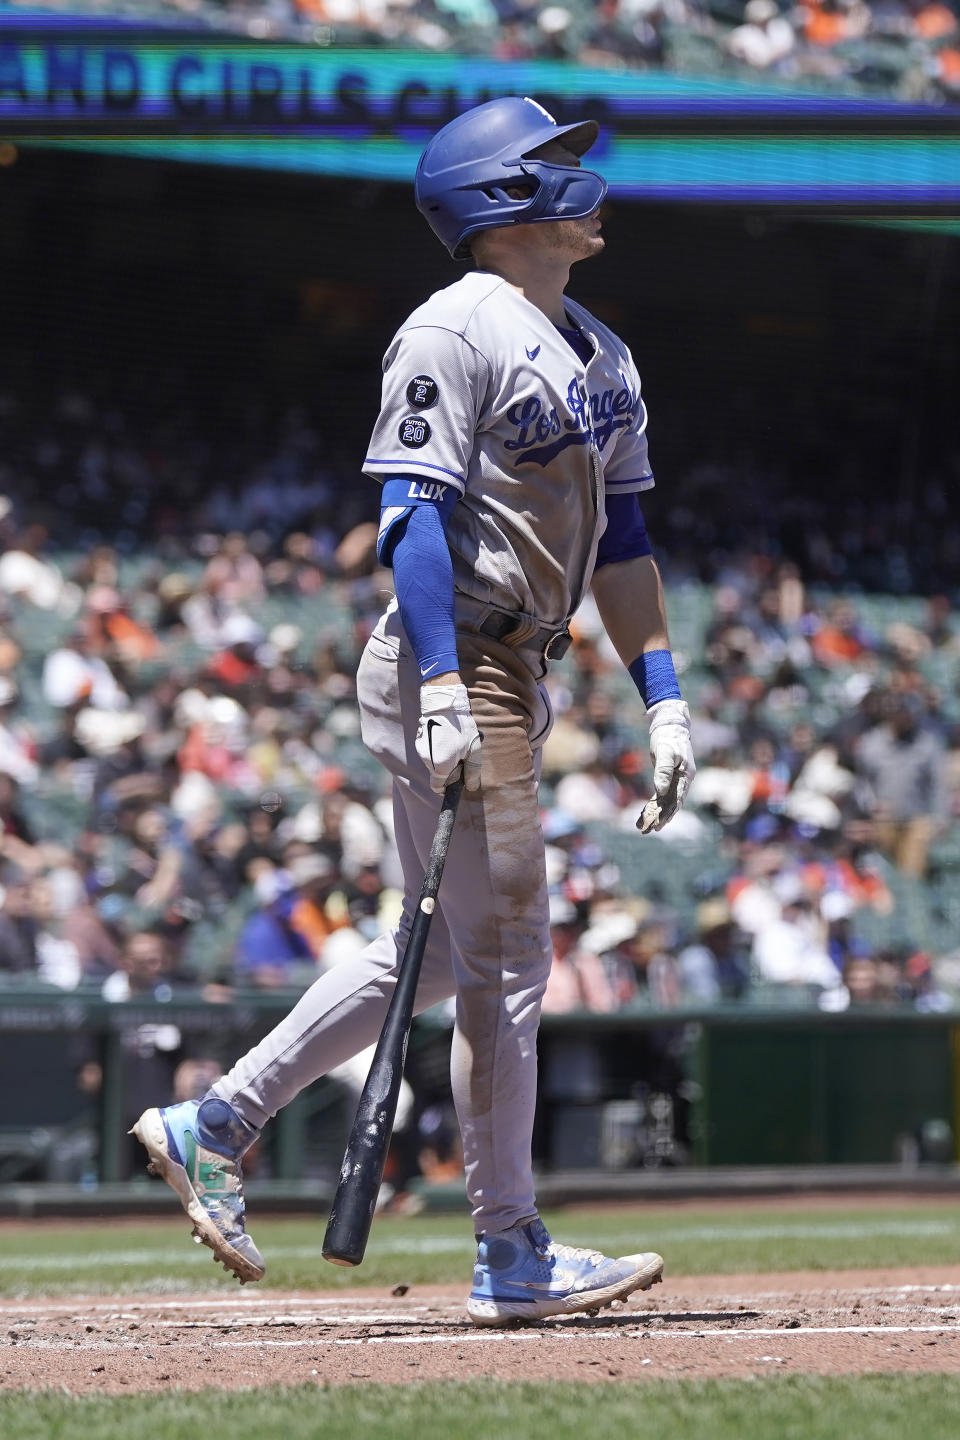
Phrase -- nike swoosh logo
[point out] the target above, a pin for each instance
(532, 354)
(431, 726)
(425, 669)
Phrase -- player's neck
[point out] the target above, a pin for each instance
(542, 285)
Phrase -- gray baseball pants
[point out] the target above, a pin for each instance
(489, 941)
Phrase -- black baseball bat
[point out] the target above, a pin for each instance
(351, 1215)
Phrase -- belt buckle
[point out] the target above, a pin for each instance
(558, 645)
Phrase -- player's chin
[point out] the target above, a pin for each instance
(590, 244)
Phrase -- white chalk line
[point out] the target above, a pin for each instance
(454, 1245)
(633, 1332)
(85, 1309)
(251, 1322)
(408, 1321)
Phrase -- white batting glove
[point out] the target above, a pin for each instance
(673, 764)
(447, 736)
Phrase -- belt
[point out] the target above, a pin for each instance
(515, 630)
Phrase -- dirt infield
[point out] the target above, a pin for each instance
(847, 1322)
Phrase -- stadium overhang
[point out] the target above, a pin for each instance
(207, 98)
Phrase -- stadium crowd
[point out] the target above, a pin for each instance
(909, 49)
(185, 800)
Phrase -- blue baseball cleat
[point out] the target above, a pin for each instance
(196, 1147)
(521, 1275)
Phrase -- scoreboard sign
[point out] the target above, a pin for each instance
(369, 112)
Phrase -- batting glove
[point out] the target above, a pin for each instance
(673, 764)
(447, 736)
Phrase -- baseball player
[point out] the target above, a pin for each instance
(511, 449)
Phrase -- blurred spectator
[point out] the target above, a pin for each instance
(315, 880)
(25, 575)
(17, 746)
(640, 953)
(920, 984)
(18, 929)
(869, 981)
(765, 38)
(57, 958)
(831, 22)
(236, 668)
(590, 793)
(271, 951)
(577, 980)
(73, 677)
(16, 836)
(840, 640)
(791, 947)
(111, 630)
(145, 969)
(97, 944)
(619, 35)
(904, 764)
(717, 965)
(233, 574)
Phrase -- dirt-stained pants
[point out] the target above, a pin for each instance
(489, 941)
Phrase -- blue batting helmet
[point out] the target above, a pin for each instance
(463, 175)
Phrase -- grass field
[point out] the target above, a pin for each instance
(156, 1258)
(153, 1257)
(874, 1407)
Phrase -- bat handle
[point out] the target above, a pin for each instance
(441, 841)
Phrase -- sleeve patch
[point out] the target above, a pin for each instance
(422, 392)
(414, 432)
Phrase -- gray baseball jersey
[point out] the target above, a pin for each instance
(481, 392)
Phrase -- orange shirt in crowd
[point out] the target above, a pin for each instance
(312, 922)
(832, 646)
(863, 888)
(948, 68)
(934, 21)
(131, 639)
(231, 670)
(823, 27)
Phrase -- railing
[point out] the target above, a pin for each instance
(733, 1086)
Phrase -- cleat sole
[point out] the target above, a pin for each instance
(150, 1132)
(489, 1313)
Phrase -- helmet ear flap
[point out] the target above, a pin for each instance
(498, 207)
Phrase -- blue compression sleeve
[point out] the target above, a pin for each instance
(625, 537)
(423, 576)
(655, 678)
